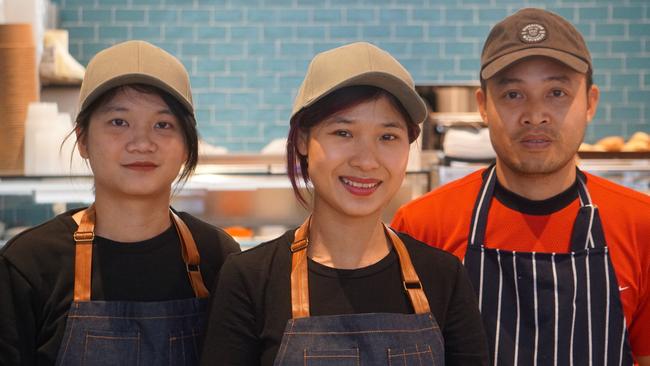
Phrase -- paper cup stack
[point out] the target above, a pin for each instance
(18, 88)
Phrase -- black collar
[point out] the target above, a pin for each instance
(541, 207)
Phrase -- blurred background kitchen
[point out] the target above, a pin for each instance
(246, 59)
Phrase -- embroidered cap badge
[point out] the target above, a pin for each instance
(533, 33)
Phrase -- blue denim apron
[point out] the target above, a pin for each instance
(121, 333)
(548, 308)
(358, 339)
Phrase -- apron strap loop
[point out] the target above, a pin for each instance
(480, 212)
(411, 281)
(83, 238)
(299, 273)
(583, 193)
(191, 256)
(85, 235)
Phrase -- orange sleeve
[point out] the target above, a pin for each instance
(399, 222)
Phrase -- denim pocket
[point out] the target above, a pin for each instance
(184, 348)
(337, 357)
(411, 356)
(107, 348)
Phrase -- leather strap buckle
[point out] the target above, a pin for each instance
(299, 245)
(412, 285)
(84, 236)
(193, 267)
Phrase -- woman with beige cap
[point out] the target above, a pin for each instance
(123, 282)
(344, 289)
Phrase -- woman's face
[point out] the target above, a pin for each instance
(135, 145)
(357, 158)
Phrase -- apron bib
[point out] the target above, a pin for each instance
(548, 308)
(132, 333)
(358, 339)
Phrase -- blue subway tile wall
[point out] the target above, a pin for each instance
(246, 57)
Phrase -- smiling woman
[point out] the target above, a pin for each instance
(123, 282)
(343, 288)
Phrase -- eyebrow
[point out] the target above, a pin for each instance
(506, 80)
(343, 120)
(117, 108)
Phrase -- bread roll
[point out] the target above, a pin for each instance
(635, 145)
(611, 143)
(588, 147)
(640, 136)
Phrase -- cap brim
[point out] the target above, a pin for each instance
(504, 61)
(408, 97)
(135, 78)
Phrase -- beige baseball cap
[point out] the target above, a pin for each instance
(533, 32)
(358, 64)
(135, 62)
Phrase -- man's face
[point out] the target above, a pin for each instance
(537, 111)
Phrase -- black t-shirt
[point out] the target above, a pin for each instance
(37, 278)
(252, 301)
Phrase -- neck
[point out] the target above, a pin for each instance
(131, 220)
(346, 243)
(537, 187)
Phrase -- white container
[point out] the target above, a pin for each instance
(45, 150)
(468, 143)
(40, 118)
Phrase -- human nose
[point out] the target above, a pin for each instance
(141, 141)
(365, 156)
(536, 114)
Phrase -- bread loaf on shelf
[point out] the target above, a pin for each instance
(638, 142)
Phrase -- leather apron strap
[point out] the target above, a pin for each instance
(410, 279)
(83, 238)
(191, 256)
(85, 235)
(299, 274)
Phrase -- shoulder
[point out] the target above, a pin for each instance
(263, 256)
(257, 268)
(612, 193)
(429, 258)
(464, 188)
(619, 205)
(208, 236)
(43, 255)
(45, 240)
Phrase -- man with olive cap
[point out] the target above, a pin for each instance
(559, 258)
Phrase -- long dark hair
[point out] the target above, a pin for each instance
(305, 119)
(186, 119)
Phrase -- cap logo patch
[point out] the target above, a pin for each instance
(532, 33)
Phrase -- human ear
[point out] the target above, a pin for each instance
(481, 102)
(302, 143)
(81, 142)
(593, 96)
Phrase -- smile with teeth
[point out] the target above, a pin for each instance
(361, 185)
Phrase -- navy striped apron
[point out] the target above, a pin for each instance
(548, 308)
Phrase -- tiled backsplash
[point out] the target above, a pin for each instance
(246, 57)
